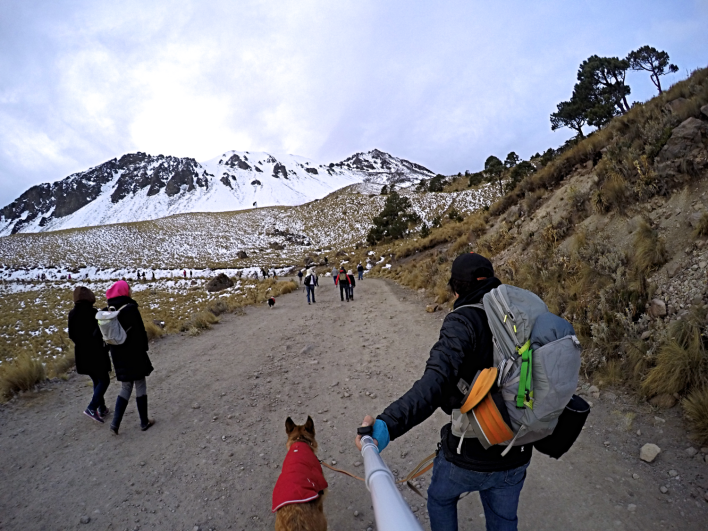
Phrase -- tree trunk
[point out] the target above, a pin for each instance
(655, 79)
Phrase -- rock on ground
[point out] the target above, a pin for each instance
(649, 452)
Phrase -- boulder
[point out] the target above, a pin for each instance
(704, 110)
(242, 254)
(649, 452)
(276, 246)
(663, 401)
(657, 308)
(218, 283)
(684, 152)
(674, 105)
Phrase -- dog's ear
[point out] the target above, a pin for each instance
(310, 425)
(289, 425)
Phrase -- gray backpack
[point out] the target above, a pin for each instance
(111, 329)
(537, 356)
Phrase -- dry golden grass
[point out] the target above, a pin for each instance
(22, 374)
(679, 366)
(695, 407)
(702, 227)
(153, 331)
(649, 250)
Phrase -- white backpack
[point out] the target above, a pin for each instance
(111, 329)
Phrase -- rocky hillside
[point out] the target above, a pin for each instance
(612, 233)
(139, 186)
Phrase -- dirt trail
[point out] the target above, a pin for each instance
(221, 399)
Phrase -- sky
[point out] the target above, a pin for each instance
(444, 84)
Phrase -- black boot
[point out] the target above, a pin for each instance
(121, 404)
(145, 422)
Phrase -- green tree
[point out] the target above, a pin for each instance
(518, 173)
(422, 186)
(424, 230)
(384, 190)
(494, 171)
(571, 114)
(601, 81)
(512, 159)
(475, 178)
(393, 221)
(652, 60)
(437, 183)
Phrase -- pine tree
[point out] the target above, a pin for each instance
(652, 60)
(393, 221)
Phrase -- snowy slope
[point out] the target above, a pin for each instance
(140, 187)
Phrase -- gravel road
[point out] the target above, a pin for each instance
(220, 401)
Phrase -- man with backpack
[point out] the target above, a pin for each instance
(300, 275)
(334, 275)
(310, 281)
(343, 281)
(463, 463)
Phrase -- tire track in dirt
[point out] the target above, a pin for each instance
(220, 401)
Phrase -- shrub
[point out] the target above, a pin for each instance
(218, 307)
(702, 227)
(198, 322)
(21, 375)
(60, 366)
(454, 215)
(424, 230)
(649, 249)
(695, 407)
(153, 331)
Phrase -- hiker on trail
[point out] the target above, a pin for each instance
(326, 261)
(153, 276)
(352, 284)
(360, 270)
(190, 273)
(464, 347)
(90, 352)
(300, 275)
(310, 282)
(334, 275)
(184, 273)
(130, 359)
(343, 281)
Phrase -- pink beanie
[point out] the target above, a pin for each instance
(119, 289)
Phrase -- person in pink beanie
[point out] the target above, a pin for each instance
(130, 359)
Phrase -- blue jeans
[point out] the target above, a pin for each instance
(100, 384)
(310, 289)
(499, 492)
(361, 275)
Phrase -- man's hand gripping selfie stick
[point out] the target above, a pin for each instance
(391, 511)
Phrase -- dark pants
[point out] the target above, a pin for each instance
(499, 492)
(310, 289)
(100, 384)
(344, 290)
(351, 292)
(361, 275)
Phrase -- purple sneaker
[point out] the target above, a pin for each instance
(93, 415)
(103, 412)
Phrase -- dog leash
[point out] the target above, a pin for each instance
(422, 467)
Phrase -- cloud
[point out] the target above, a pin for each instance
(443, 84)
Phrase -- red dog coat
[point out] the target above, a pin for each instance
(301, 479)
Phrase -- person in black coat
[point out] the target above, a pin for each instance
(89, 350)
(130, 359)
(463, 348)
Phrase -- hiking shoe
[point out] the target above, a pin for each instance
(114, 429)
(150, 422)
(103, 411)
(93, 415)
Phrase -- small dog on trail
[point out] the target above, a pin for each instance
(271, 302)
(298, 496)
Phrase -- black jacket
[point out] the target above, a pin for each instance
(464, 347)
(352, 282)
(90, 351)
(130, 359)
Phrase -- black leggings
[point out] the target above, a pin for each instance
(100, 384)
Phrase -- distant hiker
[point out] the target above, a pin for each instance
(240, 272)
(299, 275)
(343, 281)
(326, 261)
(153, 276)
(464, 348)
(69, 276)
(184, 273)
(352, 284)
(310, 280)
(190, 273)
(130, 359)
(360, 270)
(334, 275)
(89, 350)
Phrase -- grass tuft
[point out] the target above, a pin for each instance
(695, 407)
(198, 322)
(702, 227)
(649, 249)
(153, 331)
(21, 375)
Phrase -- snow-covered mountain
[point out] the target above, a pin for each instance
(138, 187)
